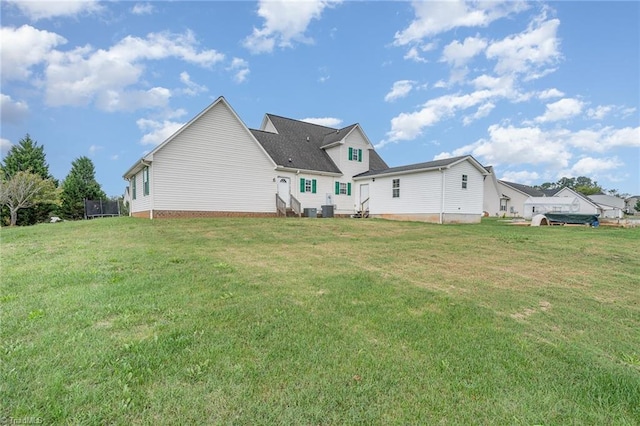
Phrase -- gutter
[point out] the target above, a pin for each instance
(312, 172)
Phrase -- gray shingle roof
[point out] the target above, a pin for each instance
(529, 190)
(419, 166)
(298, 144)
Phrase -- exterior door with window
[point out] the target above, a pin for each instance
(284, 190)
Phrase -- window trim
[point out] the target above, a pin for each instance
(395, 188)
(145, 181)
(312, 185)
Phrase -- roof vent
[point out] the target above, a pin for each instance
(290, 159)
(307, 138)
(338, 131)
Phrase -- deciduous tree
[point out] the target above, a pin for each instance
(24, 190)
(28, 156)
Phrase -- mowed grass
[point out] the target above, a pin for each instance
(328, 321)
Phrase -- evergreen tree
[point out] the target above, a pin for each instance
(80, 184)
(28, 156)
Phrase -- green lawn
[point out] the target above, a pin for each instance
(327, 321)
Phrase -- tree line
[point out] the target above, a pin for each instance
(29, 194)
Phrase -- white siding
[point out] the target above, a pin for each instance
(268, 126)
(516, 200)
(491, 202)
(421, 195)
(309, 199)
(340, 155)
(459, 200)
(586, 207)
(142, 202)
(213, 165)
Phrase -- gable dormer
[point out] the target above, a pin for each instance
(349, 148)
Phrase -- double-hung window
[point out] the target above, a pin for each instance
(464, 181)
(145, 181)
(308, 185)
(134, 192)
(343, 188)
(395, 188)
(355, 154)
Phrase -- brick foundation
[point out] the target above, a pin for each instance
(186, 214)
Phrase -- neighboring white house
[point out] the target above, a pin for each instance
(495, 203)
(611, 206)
(513, 196)
(586, 205)
(630, 204)
(441, 191)
(215, 166)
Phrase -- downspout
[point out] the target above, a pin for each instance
(442, 197)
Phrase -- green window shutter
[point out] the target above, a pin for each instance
(350, 153)
(337, 188)
(349, 188)
(360, 155)
(313, 186)
(301, 184)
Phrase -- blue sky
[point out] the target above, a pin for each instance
(539, 90)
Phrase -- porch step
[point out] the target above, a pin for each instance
(361, 214)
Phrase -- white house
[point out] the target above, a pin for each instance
(612, 207)
(630, 204)
(441, 191)
(215, 166)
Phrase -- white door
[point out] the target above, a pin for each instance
(284, 190)
(364, 197)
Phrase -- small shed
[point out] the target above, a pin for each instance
(542, 205)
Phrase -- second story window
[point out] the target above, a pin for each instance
(355, 154)
(464, 181)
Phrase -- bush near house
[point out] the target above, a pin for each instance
(332, 321)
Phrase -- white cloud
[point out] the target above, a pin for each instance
(550, 93)
(399, 90)
(324, 121)
(483, 111)
(285, 22)
(599, 112)
(520, 145)
(458, 54)
(240, 68)
(42, 9)
(524, 177)
(589, 166)
(435, 17)
(604, 139)
(561, 110)
(408, 126)
(11, 111)
(157, 131)
(528, 51)
(23, 48)
(95, 148)
(84, 74)
(143, 9)
(5, 146)
(192, 88)
(131, 100)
